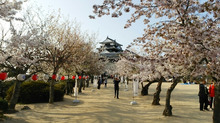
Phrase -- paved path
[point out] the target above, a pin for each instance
(100, 106)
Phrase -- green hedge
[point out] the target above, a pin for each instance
(36, 92)
(4, 86)
(61, 85)
(3, 105)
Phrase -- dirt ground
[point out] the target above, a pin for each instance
(100, 106)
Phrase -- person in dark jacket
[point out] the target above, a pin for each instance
(116, 87)
(105, 81)
(203, 96)
(99, 82)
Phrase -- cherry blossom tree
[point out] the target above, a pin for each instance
(85, 61)
(125, 67)
(9, 8)
(151, 71)
(21, 52)
(67, 49)
(65, 45)
(146, 70)
(95, 66)
(188, 34)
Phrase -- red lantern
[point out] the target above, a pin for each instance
(84, 77)
(34, 77)
(80, 77)
(73, 77)
(54, 76)
(3, 76)
(63, 78)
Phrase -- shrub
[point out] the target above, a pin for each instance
(3, 105)
(58, 94)
(61, 85)
(31, 92)
(36, 92)
(4, 86)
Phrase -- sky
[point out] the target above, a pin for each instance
(80, 10)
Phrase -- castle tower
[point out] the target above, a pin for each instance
(110, 49)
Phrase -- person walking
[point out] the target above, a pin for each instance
(211, 93)
(105, 82)
(203, 96)
(99, 83)
(116, 87)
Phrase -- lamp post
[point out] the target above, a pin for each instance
(95, 83)
(122, 80)
(75, 90)
(135, 89)
(126, 84)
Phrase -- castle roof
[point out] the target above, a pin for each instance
(110, 41)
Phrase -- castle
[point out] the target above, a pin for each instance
(110, 49)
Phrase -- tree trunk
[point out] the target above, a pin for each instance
(14, 99)
(87, 82)
(80, 85)
(216, 113)
(168, 108)
(84, 84)
(92, 79)
(51, 98)
(144, 90)
(156, 100)
(142, 85)
(1, 90)
(66, 88)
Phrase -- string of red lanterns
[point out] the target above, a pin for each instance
(80, 77)
(73, 77)
(3, 76)
(63, 78)
(54, 76)
(34, 77)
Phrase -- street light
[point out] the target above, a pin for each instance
(75, 90)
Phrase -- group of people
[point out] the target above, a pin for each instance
(206, 96)
(116, 82)
(101, 81)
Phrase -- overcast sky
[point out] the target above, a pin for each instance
(104, 26)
